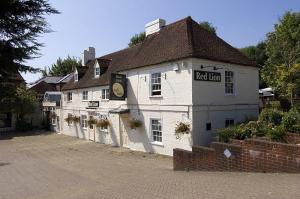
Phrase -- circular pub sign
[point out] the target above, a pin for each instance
(118, 85)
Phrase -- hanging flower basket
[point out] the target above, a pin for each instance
(103, 123)
(75, 119)
(92, 121)
(52, 115)
(69, 119)
(135, 123)
(181, 129)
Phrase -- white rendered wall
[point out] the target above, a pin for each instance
(211, 104)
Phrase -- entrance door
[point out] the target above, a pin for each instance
(123, 130)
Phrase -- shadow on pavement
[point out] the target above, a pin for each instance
(11, 134)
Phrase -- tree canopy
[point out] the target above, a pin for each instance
(281, 70)
(256, 53)
(137, 38)
(62, 67)
(21, 23)
(208, 26)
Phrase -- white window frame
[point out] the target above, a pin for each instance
(156, 141)
(97, 69)
(69, 96)
(105, 94)
(85, 95)
(229, 119)
(153, 83)
(103, 116)
(231, 83)
(83, 121)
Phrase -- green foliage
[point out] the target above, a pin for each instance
(137, 38)
(283, 44)
(276, 133)
(256, 53)
(62, 67)
(271, 116)
(21, 23)
(182, 128)
(208, 26)
(291, 119)
(22, 125)
(24, 101)
(282, 68)
(92, 121)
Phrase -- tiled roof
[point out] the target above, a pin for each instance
(182, 39)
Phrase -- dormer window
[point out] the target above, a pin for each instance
(97, 71)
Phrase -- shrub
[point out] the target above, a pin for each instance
(290, 119)
(22, 125)
(182, 128)
(135, 123)
(225, 134)
(271, 116)
(295, 128)
(275, 133)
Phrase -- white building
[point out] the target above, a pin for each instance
(179, 73)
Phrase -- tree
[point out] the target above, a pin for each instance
(62, 67)
(25, 101)
(21, 23)
(208, 26)
(283, 44)
(137, 38)
(258, 54)
(283, 50)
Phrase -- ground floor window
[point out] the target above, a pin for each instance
(156, 130)
(83, 121)
(229, 122)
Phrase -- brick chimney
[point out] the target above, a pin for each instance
(87, 55)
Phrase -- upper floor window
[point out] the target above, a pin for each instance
(229, 82)
(69, 96)
(156, 130)
(105, 94)
(155, 84)
(76, 77)
(97, 72)
(85, 95)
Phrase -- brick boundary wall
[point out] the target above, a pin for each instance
(250, 155)
(292, 138)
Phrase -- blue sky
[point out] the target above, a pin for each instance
(108, 25)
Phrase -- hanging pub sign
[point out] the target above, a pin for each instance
(118, 87)
(93, 104)
(200, 75)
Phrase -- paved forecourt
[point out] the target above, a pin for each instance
(58, 166)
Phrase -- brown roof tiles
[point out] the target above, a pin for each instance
(182, 39)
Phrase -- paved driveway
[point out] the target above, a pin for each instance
(57, 166)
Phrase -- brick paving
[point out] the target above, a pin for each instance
(58, 166)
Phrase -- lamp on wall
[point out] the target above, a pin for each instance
(214, 67)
